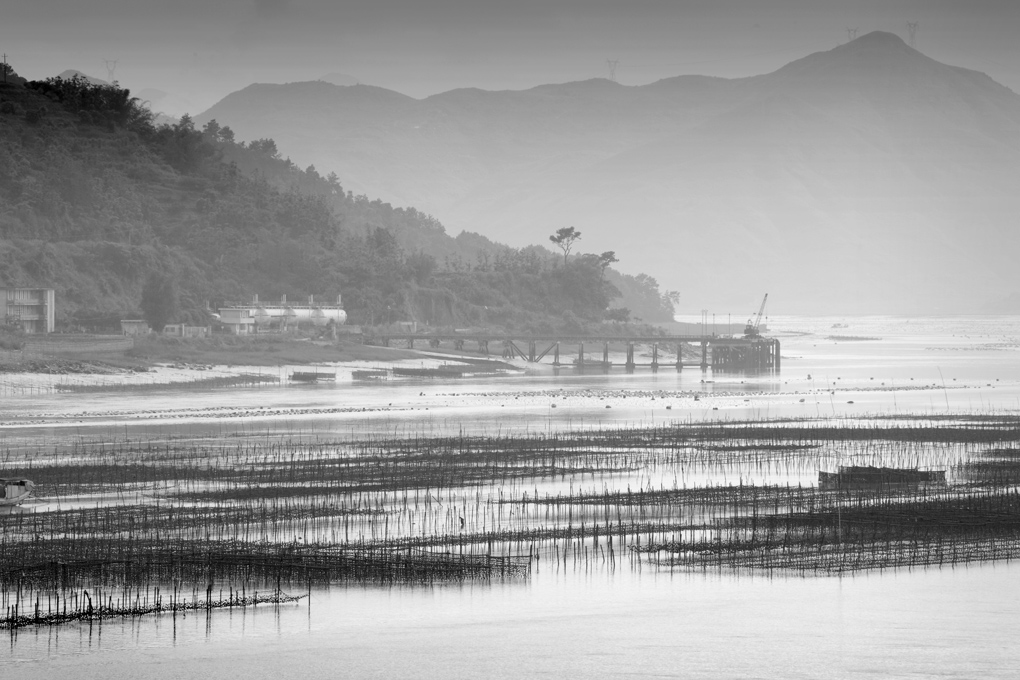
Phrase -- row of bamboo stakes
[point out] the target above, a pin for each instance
(145, 521)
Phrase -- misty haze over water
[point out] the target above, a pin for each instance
(859, 162)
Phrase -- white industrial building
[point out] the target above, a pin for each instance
(258, 316)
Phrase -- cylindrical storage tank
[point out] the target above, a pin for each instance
(337, 316)
(301, 314)
(289, 315)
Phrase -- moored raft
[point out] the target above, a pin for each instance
(867, 476)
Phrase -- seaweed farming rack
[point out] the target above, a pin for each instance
(179, 523)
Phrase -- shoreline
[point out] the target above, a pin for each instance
(204, 352)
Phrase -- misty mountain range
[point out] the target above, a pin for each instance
(865, 179)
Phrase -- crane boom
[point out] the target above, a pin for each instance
(751, 330)
(761, 310)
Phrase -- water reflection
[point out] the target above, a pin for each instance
(930, 622)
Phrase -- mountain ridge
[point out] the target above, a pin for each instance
(867, 165)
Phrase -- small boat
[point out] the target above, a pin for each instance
(14, 491)
(868, 477)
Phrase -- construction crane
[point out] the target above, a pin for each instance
(751, 329)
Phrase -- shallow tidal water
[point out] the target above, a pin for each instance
(956, 623)
(565, 621)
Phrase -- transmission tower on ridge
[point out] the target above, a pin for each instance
(912, 30)
(611, 63)
(111, 67)
(851, 34)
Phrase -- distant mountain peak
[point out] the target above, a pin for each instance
(876, 57)
(879, 38)
(71, 73)
(878, 45)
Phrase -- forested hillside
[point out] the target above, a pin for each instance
(95, 200)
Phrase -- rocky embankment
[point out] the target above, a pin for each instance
(54, 366)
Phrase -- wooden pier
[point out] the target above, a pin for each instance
(726, 354)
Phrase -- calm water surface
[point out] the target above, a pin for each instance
(939, 623)
(958, 623)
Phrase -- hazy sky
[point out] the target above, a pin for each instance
(201, 50)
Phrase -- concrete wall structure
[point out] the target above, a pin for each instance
(184, 331)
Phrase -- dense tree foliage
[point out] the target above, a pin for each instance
(96, 200)
(160, 302)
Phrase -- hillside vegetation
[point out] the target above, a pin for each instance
(96, 200)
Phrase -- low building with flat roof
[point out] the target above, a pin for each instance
(238, 320)
(185, 331)
(134, 327)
